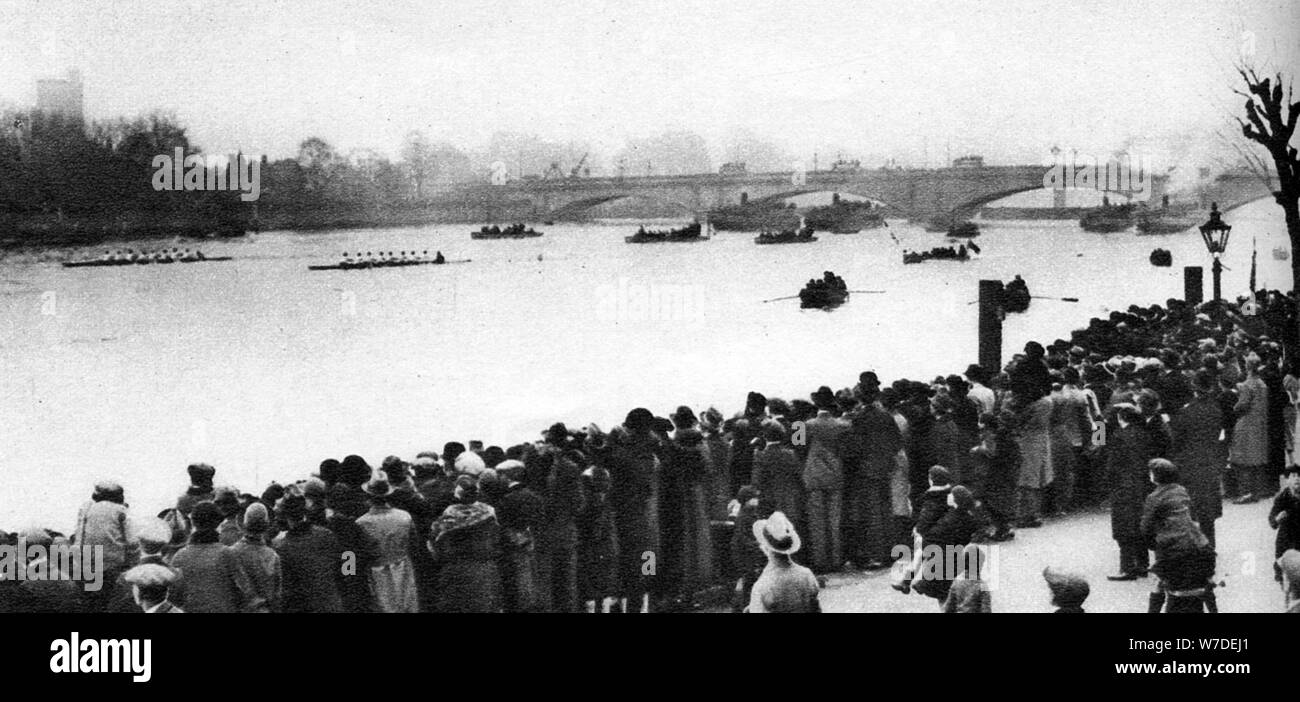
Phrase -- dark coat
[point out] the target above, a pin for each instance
(779, 479)
(1200, 455)
(520, 513)
(687, 561)
(210, 572)
(870, 449)
(995, 471)
(955, 528)
(1288, 529)
(717, 484)
(1278, 400)
(1126, 465)
(557, 540)
(311, 561)
(466, 540)
(354, 589)
(634, 495)
(932, 505)
(597, 546)
(1174, 390)
(1167, 524)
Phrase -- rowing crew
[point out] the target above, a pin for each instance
(161, 256)
(389, 258)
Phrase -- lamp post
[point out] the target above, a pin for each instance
(1215, 235)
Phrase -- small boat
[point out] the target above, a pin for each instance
(1162, 258)
(1160, 223)
(380, 264)
(691, 232)
(845, 216)
(802, 235)
(822, 298)
(827, 292)
(1015, 296)
(939, 253)
(141, 262)
(1107, 219)
(513, 231)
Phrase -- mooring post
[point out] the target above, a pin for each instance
(990, 326)
(1193, 288)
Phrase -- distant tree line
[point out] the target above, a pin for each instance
(64, 182)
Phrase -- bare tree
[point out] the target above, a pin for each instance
(1271, 122)
(417, 156)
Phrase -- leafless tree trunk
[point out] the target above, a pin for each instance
(1271, 121)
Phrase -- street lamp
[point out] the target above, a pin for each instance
(1215, 235)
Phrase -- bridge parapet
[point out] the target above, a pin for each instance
(914, 193)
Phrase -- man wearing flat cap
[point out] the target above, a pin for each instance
(151, 587)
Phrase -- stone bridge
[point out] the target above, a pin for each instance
(917, 194)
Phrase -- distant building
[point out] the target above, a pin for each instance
(846, 166)
(61, 98)
(734, 168)
(971, 161)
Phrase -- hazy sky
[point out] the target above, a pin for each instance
(904, 79)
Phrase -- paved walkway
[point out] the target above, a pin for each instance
(1082, 543)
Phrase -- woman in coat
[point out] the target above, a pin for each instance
(634, 496)
(684, 511)
(519, 513)
(1126, 466)
(465, 541)
(1199, 453)
(392, 576)
(557, 545)
(597, 543)
(343, 506)
(1033, 436)
(1249, 452)
(717, 485)
(778, 475)
(995, 472)
(869, 449)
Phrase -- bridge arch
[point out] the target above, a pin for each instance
(969, 208)
(1230, 206)
(577, 208)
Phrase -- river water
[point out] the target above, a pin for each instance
(262, 368)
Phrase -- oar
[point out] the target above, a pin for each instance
(1040, 297)
(777, 299)
(869, 292)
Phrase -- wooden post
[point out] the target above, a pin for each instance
(1193, 288)
(990, 326)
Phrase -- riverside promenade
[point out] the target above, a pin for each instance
(1081, 542)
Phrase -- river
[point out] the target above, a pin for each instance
(263, 368)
